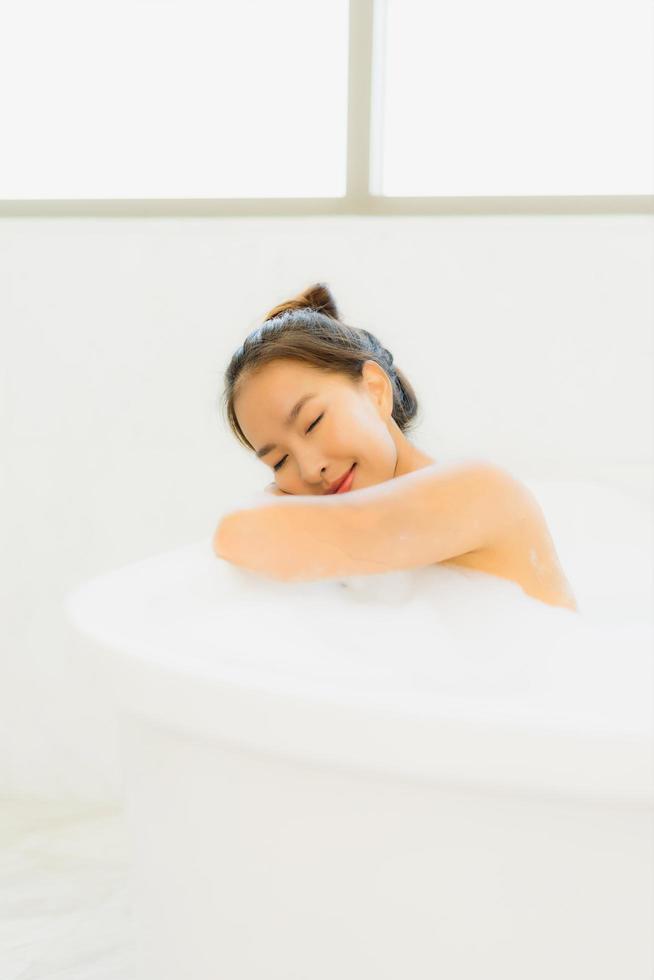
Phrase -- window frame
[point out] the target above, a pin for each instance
(366, 26)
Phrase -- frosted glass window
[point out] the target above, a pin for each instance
(514, 97)
(173, 98)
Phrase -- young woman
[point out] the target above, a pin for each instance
(323, 405)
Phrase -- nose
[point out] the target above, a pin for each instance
(312, 471)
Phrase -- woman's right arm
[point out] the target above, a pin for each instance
(419, 518)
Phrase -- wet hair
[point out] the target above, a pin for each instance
(308, 328)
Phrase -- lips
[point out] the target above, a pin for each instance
(337, 483)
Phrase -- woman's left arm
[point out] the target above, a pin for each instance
(423, 517)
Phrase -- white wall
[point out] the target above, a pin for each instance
(528, 340)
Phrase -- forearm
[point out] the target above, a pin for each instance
(292, 538)
(420, 518)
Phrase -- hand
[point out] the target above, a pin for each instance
(274, 489)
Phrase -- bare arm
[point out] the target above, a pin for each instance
(423, 517)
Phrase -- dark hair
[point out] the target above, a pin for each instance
(307, 328)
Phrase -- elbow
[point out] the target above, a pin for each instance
(229, 546)
(220, 540)
(216, 543)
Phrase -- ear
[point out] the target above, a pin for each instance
(380, 387)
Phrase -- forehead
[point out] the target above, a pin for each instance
(265, 398)
(274, 378)
(272, 391)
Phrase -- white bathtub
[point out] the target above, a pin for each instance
(414, 804)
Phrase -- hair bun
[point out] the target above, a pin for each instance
(317, 297)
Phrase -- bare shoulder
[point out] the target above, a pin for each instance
(432, 514)
(515, 500)
(511, 509)
(520, 546)
(441, 510)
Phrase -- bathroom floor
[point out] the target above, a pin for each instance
(64, 910)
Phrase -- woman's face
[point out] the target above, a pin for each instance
(343, 423)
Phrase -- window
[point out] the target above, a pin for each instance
(326, 106)
(514, 97)
(173, 98)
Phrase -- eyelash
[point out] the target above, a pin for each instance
(315, 422)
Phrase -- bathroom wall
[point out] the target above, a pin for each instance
(528, 340)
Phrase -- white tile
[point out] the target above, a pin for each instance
(64, 909)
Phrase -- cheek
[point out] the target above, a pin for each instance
(357, 420)
(346, 436)
(365, 427)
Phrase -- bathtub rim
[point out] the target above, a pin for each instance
(482, 754)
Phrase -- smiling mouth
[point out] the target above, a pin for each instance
(344, 480)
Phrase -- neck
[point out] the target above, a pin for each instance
(409, 457)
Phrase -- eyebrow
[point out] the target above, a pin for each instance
(292, 415)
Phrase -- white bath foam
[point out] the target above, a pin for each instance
(458, 641)
(445, 637)
(440, 636)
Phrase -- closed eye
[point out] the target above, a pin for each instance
(278, 465)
